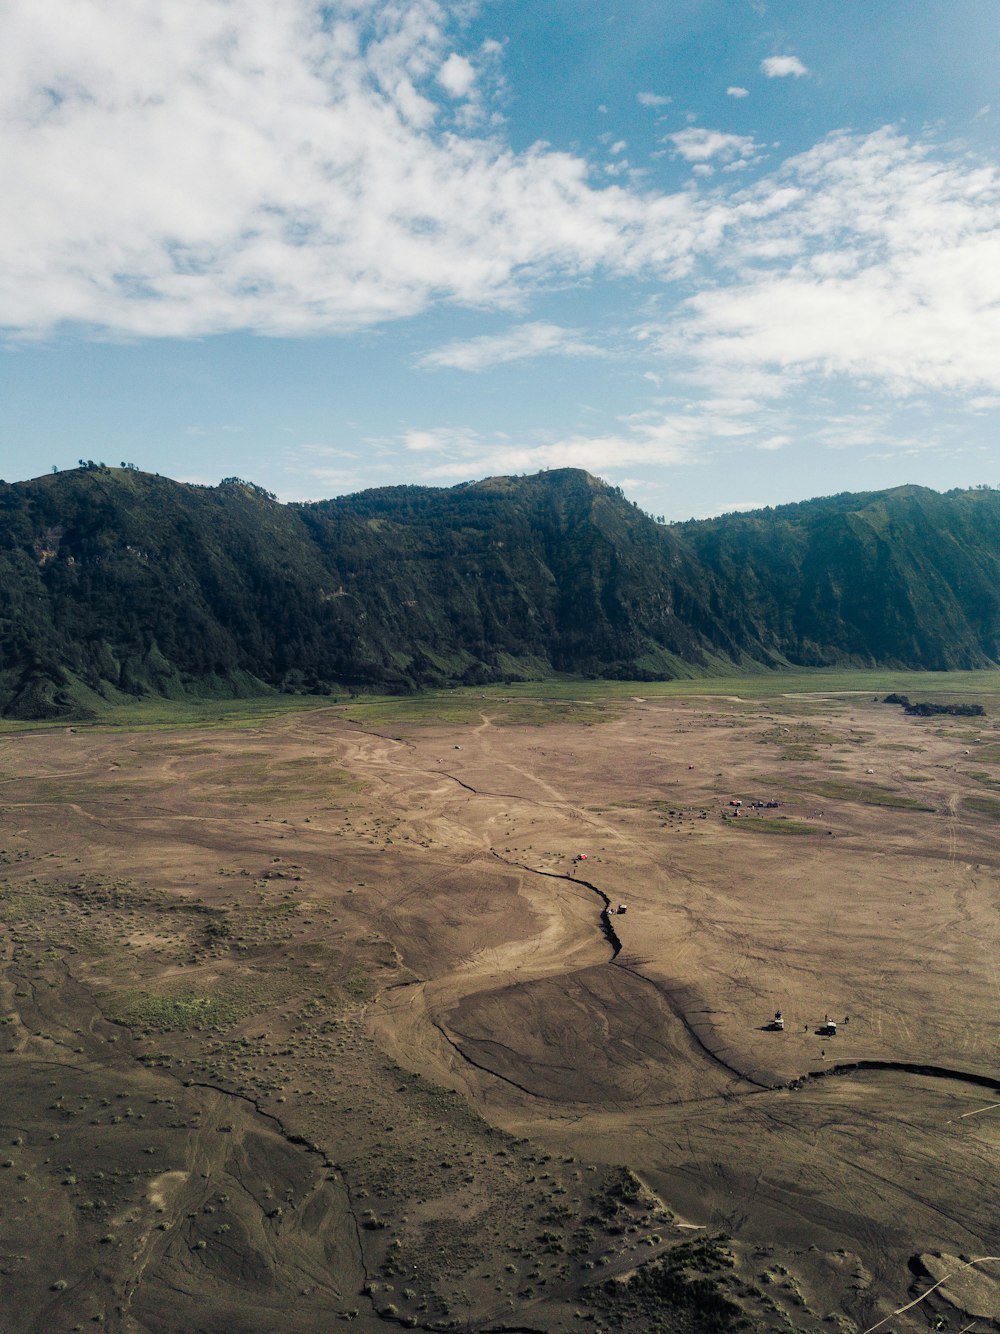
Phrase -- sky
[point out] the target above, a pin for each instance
(722, 253)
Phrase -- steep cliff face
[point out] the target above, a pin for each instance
(115, 580)
(905, 577)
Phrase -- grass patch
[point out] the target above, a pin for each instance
(778, 825)
(153, 714)
(466, 703)
(866, 794)
(539, 713)
(459, 708)
(983, 806)
(764, 684)
(148, 1009)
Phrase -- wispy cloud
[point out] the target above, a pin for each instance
(653, 99)
(209, 165)
(515, 344)
(223, 164)
(783, 67)
(869, 258)
(735, 91)
(684, 433)
(441, 439)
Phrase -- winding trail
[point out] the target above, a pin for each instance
(562, 947)
(554, 926)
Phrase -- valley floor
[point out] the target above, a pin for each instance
(333, 1015)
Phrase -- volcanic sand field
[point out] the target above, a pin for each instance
(317, 1017)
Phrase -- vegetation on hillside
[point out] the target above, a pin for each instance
(116, 583)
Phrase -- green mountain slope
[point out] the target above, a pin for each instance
(114, 580)
(906, 578)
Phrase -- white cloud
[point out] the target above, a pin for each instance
(208, 165)
(868, 258)
(735, 91)
(515, 344)
(780, 67)
(698, 145)
(457, 75)
(653, 99)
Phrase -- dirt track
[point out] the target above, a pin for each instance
(375, 915)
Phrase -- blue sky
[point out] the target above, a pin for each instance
(723, 253)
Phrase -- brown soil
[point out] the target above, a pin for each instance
(308, 1022)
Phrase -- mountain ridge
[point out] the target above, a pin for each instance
(118, 581)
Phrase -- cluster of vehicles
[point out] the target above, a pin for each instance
(827, 1029)
(737, 805)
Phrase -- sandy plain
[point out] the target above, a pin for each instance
(321, 1018)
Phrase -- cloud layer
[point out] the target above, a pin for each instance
(219, 164)
(867, 257)
(211, 165)
(838, 294)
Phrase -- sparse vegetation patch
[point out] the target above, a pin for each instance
(149, 1010)
(867, 794)
(983, 806)
(674, 1294)
(780, 825)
